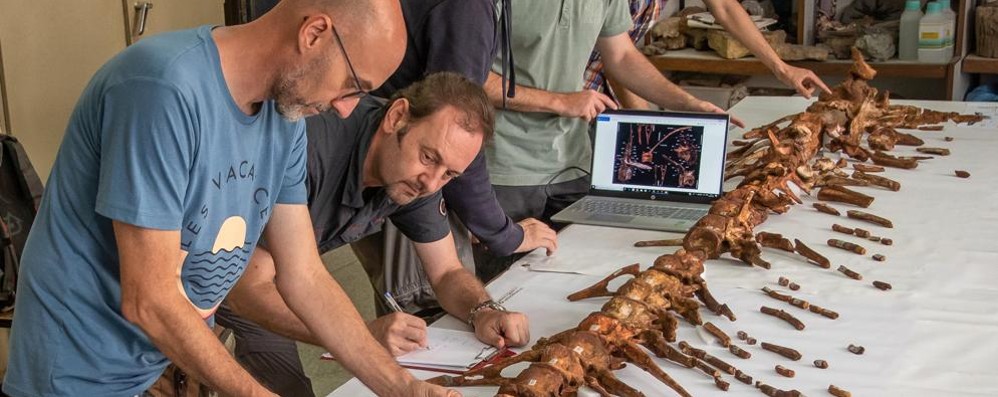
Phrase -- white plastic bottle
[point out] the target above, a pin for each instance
(908, 35)
(950, 15)
(932, 36)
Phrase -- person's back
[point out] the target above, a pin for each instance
(156, 141)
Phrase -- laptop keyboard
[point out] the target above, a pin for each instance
(633, 209)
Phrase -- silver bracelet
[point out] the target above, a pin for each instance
(489, 304)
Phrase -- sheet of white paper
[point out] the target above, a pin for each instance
(449, 348)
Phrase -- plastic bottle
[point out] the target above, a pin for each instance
(908, 35)
(932, 46)
(950, 15)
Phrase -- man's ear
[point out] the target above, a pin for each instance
(315, 32)
(396, 116)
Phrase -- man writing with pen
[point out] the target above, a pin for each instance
(387, 160)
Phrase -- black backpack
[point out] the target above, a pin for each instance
(20, 194)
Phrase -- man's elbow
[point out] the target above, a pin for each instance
(139, 309)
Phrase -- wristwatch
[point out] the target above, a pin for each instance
(489, 304)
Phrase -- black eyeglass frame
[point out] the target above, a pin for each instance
(361, 92)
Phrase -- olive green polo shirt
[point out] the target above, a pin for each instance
(551, 42)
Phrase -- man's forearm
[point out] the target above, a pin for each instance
(527, 99)
(330, 316)
(179, 332)
(459, 291)
(261, 303)
(737, 22)
(635, 73)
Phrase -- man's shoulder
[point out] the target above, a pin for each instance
(470, 10)
(180, 59)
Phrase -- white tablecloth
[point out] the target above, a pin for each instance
(934, 334)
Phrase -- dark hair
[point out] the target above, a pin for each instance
(442, 89)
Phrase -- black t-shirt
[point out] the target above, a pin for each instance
(342, 210)
(458, 36)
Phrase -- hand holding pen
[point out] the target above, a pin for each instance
(399, 332)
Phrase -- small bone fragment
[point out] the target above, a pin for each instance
(776, 295)
(842, 229)
(845, 245)
(703, 367)
(835, 391)
(931, 128)
(783, 281)
(934, 150)
(824, 312)
(784, 371)
(803, 304)
(882, 285)
(909, 140)
(742, 335)
(793, 286)
(916, 158)
(886, 241)
(826, 209)
(962, 174)
(783, 351)
(948, 139)
(783, 315)
(868, 217)
(877, 180)
(675, 242)
(844, 195)
(862, 233)
(774, 392)
(811, 254)
(875, 239)
(722, 337)
(856, 349)
(879, 257)
(721, 383)
(867, 168)
(750, 341)
(887, 160)
(739, 352)
(743, 377)
(702, 355)
(849, 272)
(774, 240)
(821, 364)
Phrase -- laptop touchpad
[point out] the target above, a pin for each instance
(610, 218)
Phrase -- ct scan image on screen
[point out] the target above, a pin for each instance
(658, 155)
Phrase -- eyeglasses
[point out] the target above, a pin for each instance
(361, 92)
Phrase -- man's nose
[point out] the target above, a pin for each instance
(345, 106)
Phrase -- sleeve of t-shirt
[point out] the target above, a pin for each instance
(423, 220)
(460, 37)
(293, 189)
(617, 19)
(147, 146)
(473, 200)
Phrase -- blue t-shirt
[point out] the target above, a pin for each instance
(156, 141)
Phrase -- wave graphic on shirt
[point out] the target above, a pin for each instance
(209, 275)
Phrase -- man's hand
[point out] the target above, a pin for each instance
(502, 329)
(802, 80)
(537, 234)
(707, 107)
(585, 104)
(423, 389)
(400, 333)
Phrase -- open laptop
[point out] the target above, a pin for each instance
(653, 170)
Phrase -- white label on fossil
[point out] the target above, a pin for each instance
(578, 349)
(553, 361)
(532, 382)
(594, 328)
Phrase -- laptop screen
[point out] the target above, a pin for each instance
(659, 155)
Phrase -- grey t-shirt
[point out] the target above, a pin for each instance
(551, 42)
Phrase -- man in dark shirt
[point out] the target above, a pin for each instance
(382, 162)
(457, 36)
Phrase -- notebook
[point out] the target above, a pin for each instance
(653, 170)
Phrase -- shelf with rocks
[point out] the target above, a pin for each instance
(691, 60)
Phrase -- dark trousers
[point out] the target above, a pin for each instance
(271, 359)
(521, 202)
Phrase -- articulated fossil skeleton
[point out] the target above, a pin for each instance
(642, 312)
